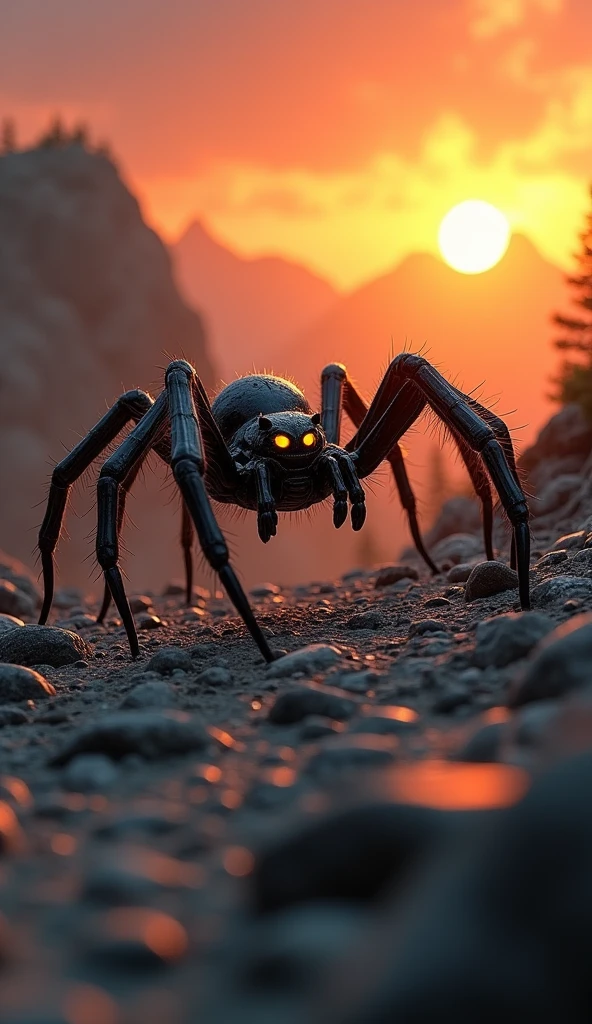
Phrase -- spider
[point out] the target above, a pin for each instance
(258, 445)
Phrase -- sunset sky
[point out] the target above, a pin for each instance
(335, 132)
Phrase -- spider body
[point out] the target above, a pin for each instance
(260, 446)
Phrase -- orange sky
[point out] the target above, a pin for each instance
(336, 132)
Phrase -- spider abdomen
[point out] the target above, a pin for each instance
(246, 397)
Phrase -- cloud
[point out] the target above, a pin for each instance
(489, 18)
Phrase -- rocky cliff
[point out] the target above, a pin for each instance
(88, 308)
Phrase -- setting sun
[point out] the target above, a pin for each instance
(473, 236)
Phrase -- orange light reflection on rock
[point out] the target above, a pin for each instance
(238, 861)
(162, 933)
(450, 786)
(86, 1004)
(63, 844)
(393, 711)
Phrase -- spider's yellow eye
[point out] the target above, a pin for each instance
(309, 439)
(281, 441)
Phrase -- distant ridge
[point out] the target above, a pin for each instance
(253, 307)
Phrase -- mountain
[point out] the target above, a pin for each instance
(88, 308)
(253, 307)
(490, 329)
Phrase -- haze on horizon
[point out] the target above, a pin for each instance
(338, 134)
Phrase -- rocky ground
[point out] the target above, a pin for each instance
(390, 823)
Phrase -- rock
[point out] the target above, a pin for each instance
(556, 493)
(89, 773)
(68, 597)
(140, 603)
(567, 433)
(20, 683)
(459, 573)
(216, 675)
(423, 626)
(560, 589)
(351, 753)
(581, 560)
(570, 541)
(437, 602)
(133, 875)
(366, 620)
(265, 590)
(43, 645)
(456, 549)
(453, 696)
(355, 682)
(457, 516)
(12, 716)
(489, 578)
(483, 746)
(295, 704)
(153, 693)
(315, 726)
(390, 574)
(386, 720)
(12, 840)
(9, 622)
(561, 663)
(167, 659)
(532, 722)
(351, 855)
(147, 621)
(133, 939)
(22, 577)
(506, 638)
(14, 601)
(307, 660)
(150, 734)
(550, 559)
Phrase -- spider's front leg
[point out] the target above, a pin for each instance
(339, 468)
(267, 519)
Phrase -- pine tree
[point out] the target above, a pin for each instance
(80, 134)
(55, 136)
(574, 383)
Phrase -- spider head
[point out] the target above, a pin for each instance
(290, 438)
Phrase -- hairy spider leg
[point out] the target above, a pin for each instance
(128, 407)
(114, 472)
(186, 545)
(456, 412)
(480, 482)
(504, 437)
(123, 493)
(338, 392)
(188, 465)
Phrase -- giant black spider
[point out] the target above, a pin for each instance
(259, 446)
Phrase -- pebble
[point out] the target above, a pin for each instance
(456, 549)
(366, 620)
(423, 626)
(386, 720)
(20, 683)
(42, 645)
(153, 693)
(167, 659)
(550, 559)
(504, 639)
(483, 747)
(489, 578)
(12, 839)
(295, 704)
(581, 560)
(307, 660)
(89, 773)
(350, 753)
(265, 590)
(570, 541)
(68, 597)
(560, 588)
(355, 682)
(133, 874)
(216, 675)
(150, 734)
(390, 574)
(14, 602)
(459, 573)
(437, 602)
(147, 621)
(133, 939)
(562, 663)
(140, 603)
(351, 855)
(9, 622)
(316, 726)
(532, 722)
(12, 716)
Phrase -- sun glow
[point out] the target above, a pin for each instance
(473, 236)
